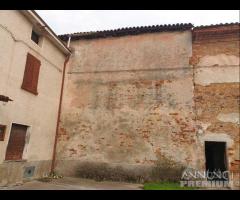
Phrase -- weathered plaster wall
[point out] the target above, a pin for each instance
(38, 112)
(217, 92)
(128, 105)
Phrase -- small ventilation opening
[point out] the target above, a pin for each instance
(35, 37)
(29, 172)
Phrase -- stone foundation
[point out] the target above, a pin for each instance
(12, 172)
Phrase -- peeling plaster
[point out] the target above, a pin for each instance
(229, 117)
(220, 59)
(226, 74)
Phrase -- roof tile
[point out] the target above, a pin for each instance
(138, 30)
(126, 31)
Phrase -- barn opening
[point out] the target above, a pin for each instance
(216, 161)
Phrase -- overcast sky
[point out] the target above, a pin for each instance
(70, 21)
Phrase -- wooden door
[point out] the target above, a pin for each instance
(16, 142)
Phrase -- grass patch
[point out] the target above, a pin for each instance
(166, 186)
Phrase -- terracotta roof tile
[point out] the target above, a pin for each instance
(126, 31)
(139, 30)
(215, 25)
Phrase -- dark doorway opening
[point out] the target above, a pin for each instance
(215, 153)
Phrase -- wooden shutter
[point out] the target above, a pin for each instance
(16, 142)
(31, 74)
(2, 132)
(36, 70)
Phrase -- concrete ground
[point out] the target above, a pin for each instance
(68, 183)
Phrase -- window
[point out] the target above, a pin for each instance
(31, 74)
(35, 37)
(16, 142)
(2, 132)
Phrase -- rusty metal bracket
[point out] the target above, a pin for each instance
(5, 98)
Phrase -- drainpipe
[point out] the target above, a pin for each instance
(59, 114)
(69, 40)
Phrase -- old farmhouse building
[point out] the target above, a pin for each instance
(32, 59)
(143, 103)
(135, 104)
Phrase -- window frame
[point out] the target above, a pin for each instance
(35, 34)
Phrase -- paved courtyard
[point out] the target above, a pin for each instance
(68, 183)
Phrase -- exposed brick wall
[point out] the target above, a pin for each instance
(124, 103)
(217, 96)
(138, 101)
(214, 41)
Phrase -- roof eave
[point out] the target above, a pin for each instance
(126, 31)
(37, 20)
